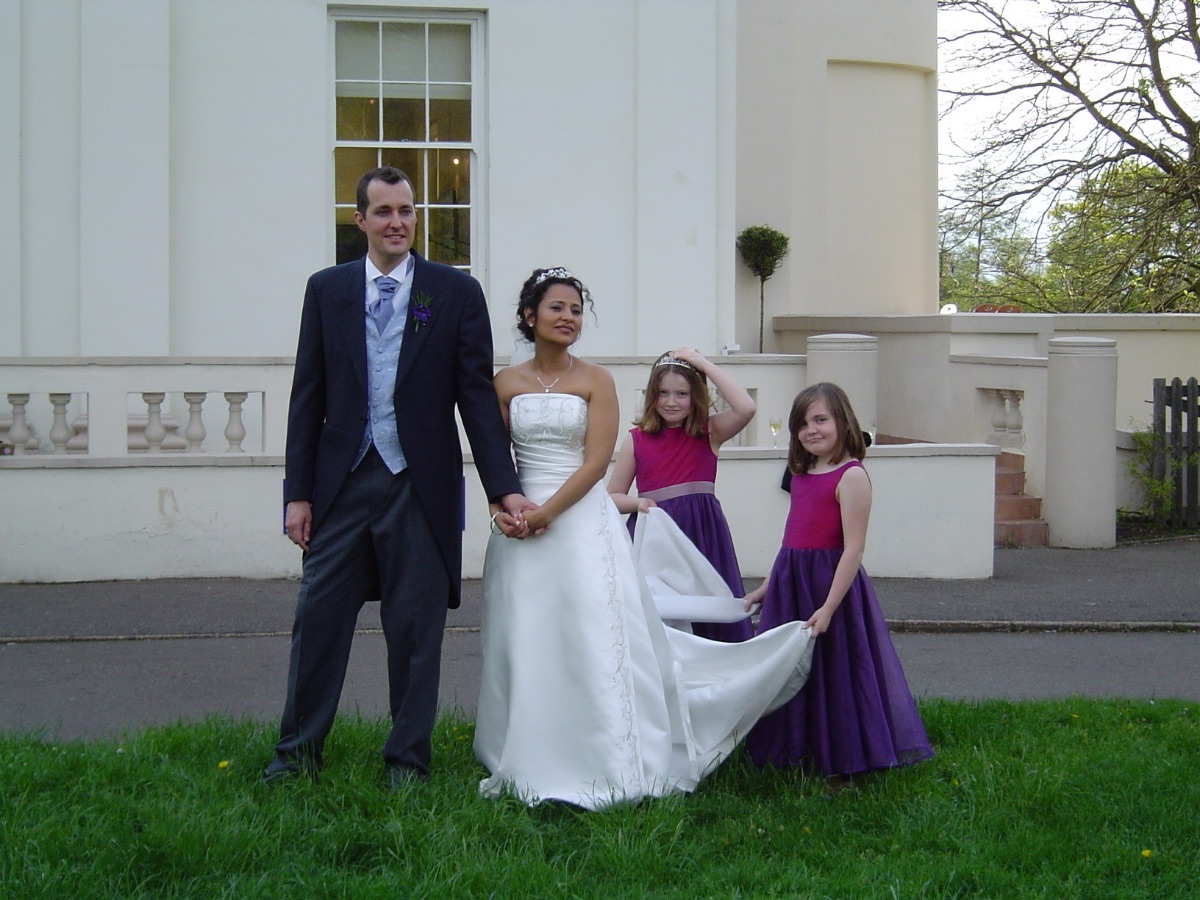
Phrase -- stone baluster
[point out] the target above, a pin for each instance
(155, 432)
(1014, 422)
(999, 414)
(195, 431)
(235, 430)
(18, 432)
(60, 432)
(78, 441)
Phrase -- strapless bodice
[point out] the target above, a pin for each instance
(548, 432)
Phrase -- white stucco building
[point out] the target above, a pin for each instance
(171, 168)
(171, 171)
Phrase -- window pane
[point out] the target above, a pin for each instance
(450, 178)
(357, 116)
(449, 113)
(449, 53)
(357, 48)
(403, 119)
(408, 162)
(450, 235)
(351, 244)
(349, 164)
(403, 52)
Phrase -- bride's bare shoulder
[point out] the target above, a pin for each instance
(597, 380)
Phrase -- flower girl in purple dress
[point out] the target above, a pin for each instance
(672, 454)
(856, 712)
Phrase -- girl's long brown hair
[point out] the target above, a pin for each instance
(850, 436)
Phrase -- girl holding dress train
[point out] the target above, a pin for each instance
(672, 455)
(856, 712)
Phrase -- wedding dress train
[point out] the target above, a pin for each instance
(586, 696)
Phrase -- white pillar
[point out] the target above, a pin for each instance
(851, 361)
(1080, 506)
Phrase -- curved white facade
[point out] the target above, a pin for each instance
(172, 184)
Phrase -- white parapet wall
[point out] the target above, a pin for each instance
(67, 520)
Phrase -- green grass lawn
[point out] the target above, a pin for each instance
(1075, 798)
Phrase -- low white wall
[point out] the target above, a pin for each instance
(1131, 492)
(66, 519)
(932, 514)
(178, 518)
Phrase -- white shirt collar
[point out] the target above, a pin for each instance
(402, 273)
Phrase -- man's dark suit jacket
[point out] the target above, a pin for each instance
(444, 362)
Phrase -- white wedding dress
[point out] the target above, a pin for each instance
(586, 696)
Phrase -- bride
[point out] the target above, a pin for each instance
(586, 697)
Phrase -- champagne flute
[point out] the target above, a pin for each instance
(775, 425)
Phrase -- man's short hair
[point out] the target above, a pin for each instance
(386, 174)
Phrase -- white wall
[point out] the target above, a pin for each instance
(179, 518)
(10, 167)
(171, 188)
(850, 175)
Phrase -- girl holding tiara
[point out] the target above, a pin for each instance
(672, 455)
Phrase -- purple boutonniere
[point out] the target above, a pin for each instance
(420, 305)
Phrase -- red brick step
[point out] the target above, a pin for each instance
(1018, 515)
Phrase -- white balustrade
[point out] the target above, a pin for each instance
(102, 408)
(1007, 418)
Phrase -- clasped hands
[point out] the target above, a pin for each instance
(518, 517)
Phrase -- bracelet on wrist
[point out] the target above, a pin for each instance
(492, 526)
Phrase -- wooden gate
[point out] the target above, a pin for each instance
(1176, 458)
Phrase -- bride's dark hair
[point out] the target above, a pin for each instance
(534, 289)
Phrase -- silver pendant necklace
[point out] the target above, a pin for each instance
(558, 379)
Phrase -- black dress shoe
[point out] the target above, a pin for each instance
(284, 770)
(401, 776)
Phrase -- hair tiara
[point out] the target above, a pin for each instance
(670, 359)
(556, 272)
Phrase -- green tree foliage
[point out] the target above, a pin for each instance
(986, 254)
(1093, 109)
(1117, 248)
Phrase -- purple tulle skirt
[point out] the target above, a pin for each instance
(856, 712)
(699, 516)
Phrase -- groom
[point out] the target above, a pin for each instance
(389, 345)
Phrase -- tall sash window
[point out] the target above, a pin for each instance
(405, 92)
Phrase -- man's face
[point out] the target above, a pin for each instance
(389, 223)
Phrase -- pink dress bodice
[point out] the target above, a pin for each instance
(670, 457)
(814, 519)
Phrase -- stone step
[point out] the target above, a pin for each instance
(1009, 460)
(1018, 516)
(1022, 533)
(1010, 507)
(1009, 481)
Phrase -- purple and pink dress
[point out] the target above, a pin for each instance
(856, 712)
(679, 472)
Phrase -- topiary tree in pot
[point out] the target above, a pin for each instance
(762, 249)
